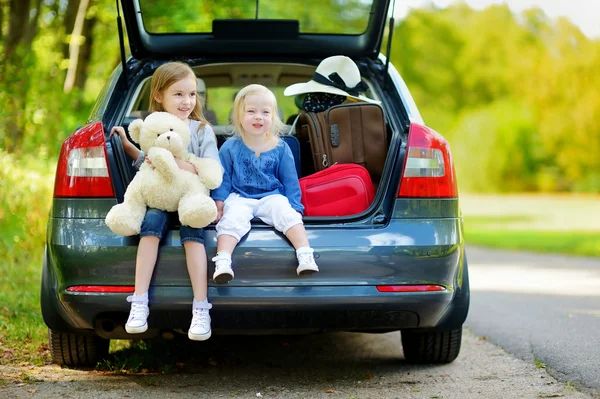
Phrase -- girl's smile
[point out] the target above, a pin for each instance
(179, 99)
(258, 112)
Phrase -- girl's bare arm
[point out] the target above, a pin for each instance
(130, 149)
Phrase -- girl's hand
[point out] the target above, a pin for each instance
(121, 132)
(220, 205)
(149, 162)
(185, 165)
(128, 146)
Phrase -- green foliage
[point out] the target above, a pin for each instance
(494, 148)
(25, 195)
(35, 114)
(517, 95)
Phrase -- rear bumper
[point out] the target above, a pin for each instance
(355, 308)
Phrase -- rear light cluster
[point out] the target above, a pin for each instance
(82, 169)
(428, 167)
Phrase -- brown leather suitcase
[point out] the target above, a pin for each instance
(346, 133)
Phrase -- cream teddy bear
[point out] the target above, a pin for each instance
(162, 184)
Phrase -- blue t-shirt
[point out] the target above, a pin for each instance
(273, 172)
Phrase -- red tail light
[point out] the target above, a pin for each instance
(109, 289)
(428, 167)
(82, 169)
(409, 288)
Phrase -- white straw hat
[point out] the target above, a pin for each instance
(335, 75)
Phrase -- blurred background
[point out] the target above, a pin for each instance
(514, 86)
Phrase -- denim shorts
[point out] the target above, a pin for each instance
(156, 224)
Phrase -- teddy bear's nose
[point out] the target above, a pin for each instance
(169, 138)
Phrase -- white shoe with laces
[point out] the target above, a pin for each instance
(200, 327)
(138, 317)
(306, 263)
(223, 271)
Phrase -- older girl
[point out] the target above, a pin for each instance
(173, 90)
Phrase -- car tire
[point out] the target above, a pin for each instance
(75, 350)
(431, 347)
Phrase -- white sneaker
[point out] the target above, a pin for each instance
(138, 318)
(223, 271)
(200, 327)
(306, 264)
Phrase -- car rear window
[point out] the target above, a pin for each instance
(314, 16)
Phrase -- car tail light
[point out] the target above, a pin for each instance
(106, 289)
(428, 167)
(410, 288)
(82, 170)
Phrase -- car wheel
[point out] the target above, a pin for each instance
(75, 350)
(431, 346)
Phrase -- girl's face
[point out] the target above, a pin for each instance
(258, 114)
(179, 99)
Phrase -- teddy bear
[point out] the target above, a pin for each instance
(161, 184)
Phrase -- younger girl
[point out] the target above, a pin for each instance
(260, 180)
(173, 90)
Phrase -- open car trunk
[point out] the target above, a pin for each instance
(263, 245)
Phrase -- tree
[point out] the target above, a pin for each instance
(22, 28)
(76, 41)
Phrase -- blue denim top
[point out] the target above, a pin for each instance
(272, 172)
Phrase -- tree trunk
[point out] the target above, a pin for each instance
(2, 4)
(32, 27)
(85, 54)
(69, 23)
(75, 44)
(17, 23)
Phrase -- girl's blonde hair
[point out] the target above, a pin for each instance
(239, 103)
(166, 75)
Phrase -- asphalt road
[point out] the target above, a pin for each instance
(542, 307)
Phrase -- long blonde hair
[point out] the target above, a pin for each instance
(166, 75)
(239, 103)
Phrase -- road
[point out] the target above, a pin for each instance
(542, 307)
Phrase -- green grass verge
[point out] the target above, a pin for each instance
(23, 334)
(25, 196)
(584, 244)
(563, 224)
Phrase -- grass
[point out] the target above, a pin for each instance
(25, 195)
(542, 223)
(23, 334)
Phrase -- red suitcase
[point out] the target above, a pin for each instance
(340, 190)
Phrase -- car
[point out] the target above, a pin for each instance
(399, 265)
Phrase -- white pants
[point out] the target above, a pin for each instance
(275, 210)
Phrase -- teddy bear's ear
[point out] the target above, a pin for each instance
(135, 129)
